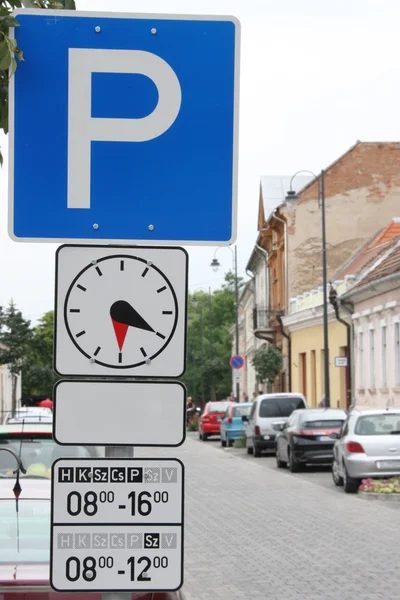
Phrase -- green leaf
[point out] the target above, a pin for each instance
(12, 68)
(19, 54)
(70, 4)
(29, 4)
(5, 56)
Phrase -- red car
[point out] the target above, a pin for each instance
(210, 420)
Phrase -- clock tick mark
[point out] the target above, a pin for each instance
(161, 289)
(99, 271)
(160, 335)
(80, 333)
(121, 265)
(95, 353)
(143, 351)
(167, 312)
(145, 272)
(120, 357)
(81, 287)
(74, 310)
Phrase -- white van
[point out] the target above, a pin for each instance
(269, 410)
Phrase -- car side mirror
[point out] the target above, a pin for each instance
(279, 426)
(245, 419)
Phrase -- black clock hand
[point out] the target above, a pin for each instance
(122, 312)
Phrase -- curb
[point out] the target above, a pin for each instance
(380, 497)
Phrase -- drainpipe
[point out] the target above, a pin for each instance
(333, 299)
(279, 316)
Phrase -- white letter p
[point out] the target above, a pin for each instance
(83, 129)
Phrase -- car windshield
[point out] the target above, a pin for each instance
(323, 424)
(280, 407)
(220, 407)
(242, 411)
(25, 539)
(37, 455)
(383, 424)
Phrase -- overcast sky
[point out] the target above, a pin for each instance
(315, 77)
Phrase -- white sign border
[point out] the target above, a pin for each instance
(235, 152)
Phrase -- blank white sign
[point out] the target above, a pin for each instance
(116, 413)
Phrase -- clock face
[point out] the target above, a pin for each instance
(121, 311)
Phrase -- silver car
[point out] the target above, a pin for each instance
(368, 446)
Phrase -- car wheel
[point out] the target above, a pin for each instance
(200, 435)
(229, 443)
(223, 442)
(257, 451)
(249, 449)
(279, 463)
(337, 478)
(204, 437)
(294, 466)
(350, 484)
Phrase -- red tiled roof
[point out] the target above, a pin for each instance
(389, 266)
(371, 250)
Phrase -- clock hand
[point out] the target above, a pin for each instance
(123, 315)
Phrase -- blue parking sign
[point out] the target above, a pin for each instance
(124, 128)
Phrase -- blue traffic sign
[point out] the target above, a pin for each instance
(236, 361)
(124, 128)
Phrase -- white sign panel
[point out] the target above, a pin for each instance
(340, 361)
(117, 525)
(120, 311)
(150, 413)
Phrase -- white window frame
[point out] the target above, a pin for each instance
(361, 359)
(384, 355)
(372, 358)
(396, 335)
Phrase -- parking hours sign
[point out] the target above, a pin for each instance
(117, 525)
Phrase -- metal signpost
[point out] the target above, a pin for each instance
(134, 109)
(117, 524)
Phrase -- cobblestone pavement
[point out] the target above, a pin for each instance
(256, 533)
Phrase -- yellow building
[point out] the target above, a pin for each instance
(305, 326)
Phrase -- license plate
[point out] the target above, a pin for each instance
(388, 464)
(325, 438)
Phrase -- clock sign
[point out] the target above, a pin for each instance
(121, 311)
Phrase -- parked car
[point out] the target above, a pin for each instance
(25, 547)
(29, 414)
(267, 409)
(368, 447)
(35, 444)
(308, 436)
(210, 420)
(232, 424)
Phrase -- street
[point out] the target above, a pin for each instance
(253, 532)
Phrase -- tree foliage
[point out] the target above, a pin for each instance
(15, 339)
(9, 52)
(38, 376)
(267, 362)
(208, 366)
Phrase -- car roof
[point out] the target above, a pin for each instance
(26, 428)
(375, 411)
(31, 489)
(329, 412)
(220, 402)
(281, 395)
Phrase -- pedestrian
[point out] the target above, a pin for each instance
(190, 408)
(232, 397)
(322, 403)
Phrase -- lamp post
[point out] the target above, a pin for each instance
(215, 266)
(291, 195)
(195, 303)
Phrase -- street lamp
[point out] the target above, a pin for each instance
(215, 266)
(291, 195)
